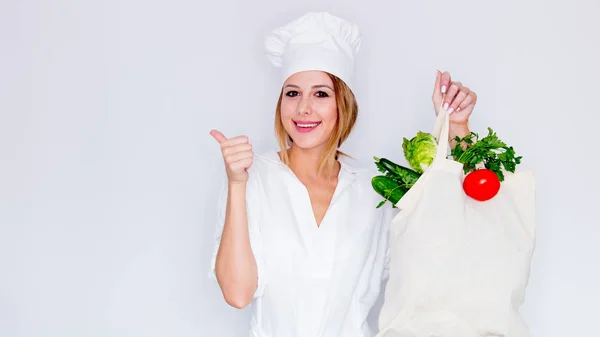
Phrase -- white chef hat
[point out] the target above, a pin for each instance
(315, 41)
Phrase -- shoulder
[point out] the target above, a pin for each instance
(266, 169)
(266, 160)
(366, 196)
(362, 172)
(266, 164)
(363, 175)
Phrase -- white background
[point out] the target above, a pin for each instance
(108, 175)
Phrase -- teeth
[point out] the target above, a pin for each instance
(307, 125)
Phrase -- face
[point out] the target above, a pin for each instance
(309, 109)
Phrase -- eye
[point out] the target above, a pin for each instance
(322, 94)
(291, 93)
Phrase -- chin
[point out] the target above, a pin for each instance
(306, 143)
(306, 146)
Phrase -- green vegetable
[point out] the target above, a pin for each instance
(490, 150)
(420, 150)
(389, 189)
(403, 175)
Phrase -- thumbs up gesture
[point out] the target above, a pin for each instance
(237, 154)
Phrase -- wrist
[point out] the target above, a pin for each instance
(464, 124)
(460, 129)
(236, 185)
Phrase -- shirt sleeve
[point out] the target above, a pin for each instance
(253, 215)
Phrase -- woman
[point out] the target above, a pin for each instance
(298, 233)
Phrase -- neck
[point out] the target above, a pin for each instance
(306, 162)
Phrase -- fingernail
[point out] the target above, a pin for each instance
(451, 110)
(446, 106)
(443, 89)
(457, 109)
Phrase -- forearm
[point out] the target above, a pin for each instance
(235, 268)
(458, 129)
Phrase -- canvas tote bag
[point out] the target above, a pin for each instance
(459, 267)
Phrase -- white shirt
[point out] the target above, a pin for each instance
(313, 281)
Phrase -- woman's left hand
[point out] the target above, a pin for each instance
(459, 100)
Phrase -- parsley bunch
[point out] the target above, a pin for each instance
(490, 150)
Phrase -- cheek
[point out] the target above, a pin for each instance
(288, 111)
(330, 113)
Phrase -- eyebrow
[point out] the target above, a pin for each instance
(313, 87)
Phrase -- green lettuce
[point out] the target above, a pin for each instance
(420, 150)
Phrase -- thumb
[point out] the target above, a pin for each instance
(218, 136)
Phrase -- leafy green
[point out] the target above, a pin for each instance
(489, 150)
(420, 150)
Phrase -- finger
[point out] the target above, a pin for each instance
(470, 99)
(234, 158)
(218, 136)
(437, 90)
(460, 97)
(237, 148)
(452, 91)
(241, 165)
(445, 82)
(234, 141)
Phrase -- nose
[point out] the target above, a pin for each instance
(304, 107)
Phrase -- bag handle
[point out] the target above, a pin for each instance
(441, 132)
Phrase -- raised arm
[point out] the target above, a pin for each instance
(235, 265)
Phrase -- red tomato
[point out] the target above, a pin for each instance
(481, 184)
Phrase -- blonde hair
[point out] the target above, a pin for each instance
(347, 108)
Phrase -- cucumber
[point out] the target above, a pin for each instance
(388, 188)
(406, 175)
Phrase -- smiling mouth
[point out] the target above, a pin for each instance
(307, 124)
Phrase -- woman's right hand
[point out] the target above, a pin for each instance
(235, 264)
(237, 154)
